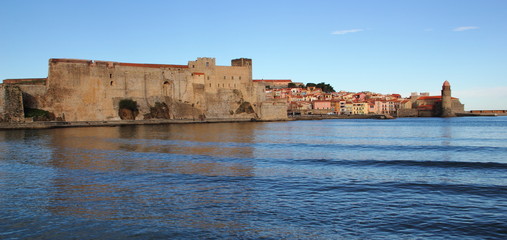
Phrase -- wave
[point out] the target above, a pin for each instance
(442, 189)
(409, 163)
(404, 148)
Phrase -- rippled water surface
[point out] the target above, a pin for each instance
(333, 179)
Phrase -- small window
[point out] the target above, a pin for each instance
(239, 77)
(225, 77)
(111, 83)
(193, 66)
(210, 85)
(208, 77)
(232, 77)
(207, 64)
(110, 75)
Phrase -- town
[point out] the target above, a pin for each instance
(321, 99)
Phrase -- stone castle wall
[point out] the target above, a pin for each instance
(91, 91)
(33, 95)
(11, 104)
(457, 106)
(85, 90)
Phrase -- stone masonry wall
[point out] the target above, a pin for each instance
(83, 90)
(11, 104)
(32, 95)
(274, 110)
(2, 101)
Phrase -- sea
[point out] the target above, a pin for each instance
(406, 178)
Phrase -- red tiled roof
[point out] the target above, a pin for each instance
(425, 107)
(29, 81)
(432, 98)
(149, 65)
(273, 80)
(68, 60)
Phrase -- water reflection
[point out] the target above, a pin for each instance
(173, 148)
(151, 172)
(446, 138)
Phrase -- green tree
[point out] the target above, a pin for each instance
(311, 85)
(292, 85)
(325, 87)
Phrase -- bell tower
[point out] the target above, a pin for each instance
(446, 100)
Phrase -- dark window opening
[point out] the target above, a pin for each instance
(110, 75)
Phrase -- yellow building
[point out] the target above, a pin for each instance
(360, 108)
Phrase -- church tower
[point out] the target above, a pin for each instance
(446, 100)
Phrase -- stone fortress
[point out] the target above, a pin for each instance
(87, 90)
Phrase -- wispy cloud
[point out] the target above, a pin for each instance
(465, 28)
(341, 32)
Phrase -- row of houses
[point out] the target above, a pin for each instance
(312, 100)
(343, 103)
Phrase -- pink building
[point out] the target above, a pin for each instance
(321, 105)
(359, 97)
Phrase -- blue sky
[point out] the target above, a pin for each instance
(380, 46)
